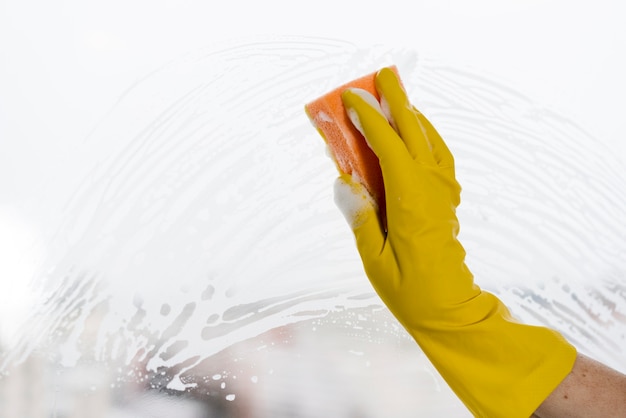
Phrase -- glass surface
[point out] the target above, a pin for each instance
(177, 252)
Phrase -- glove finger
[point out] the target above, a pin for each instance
(359, 209)
(396, 106)
(396, 163)
(441, 152)
(366, 115)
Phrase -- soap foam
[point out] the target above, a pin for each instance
(352, 199)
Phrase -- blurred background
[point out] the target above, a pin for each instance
(169, 244)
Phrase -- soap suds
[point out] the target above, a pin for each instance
(352, 199)
(323, 117)
(354, 118)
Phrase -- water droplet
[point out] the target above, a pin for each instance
(208, 292)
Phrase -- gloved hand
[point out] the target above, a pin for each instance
(497, 366)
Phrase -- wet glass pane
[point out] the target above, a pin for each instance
(170, 246)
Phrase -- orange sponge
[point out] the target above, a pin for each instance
(348, 147)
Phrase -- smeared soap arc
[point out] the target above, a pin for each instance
(348, 147)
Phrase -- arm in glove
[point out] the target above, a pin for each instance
(497, 366)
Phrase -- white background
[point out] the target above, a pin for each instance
(64, 64)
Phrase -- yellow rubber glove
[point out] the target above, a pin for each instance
(497, 366)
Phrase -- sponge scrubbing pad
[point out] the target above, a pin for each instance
(347, 145)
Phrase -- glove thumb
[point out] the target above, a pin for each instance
(361, 212)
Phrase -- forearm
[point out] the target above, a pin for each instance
(591, 389)
(497, 366)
